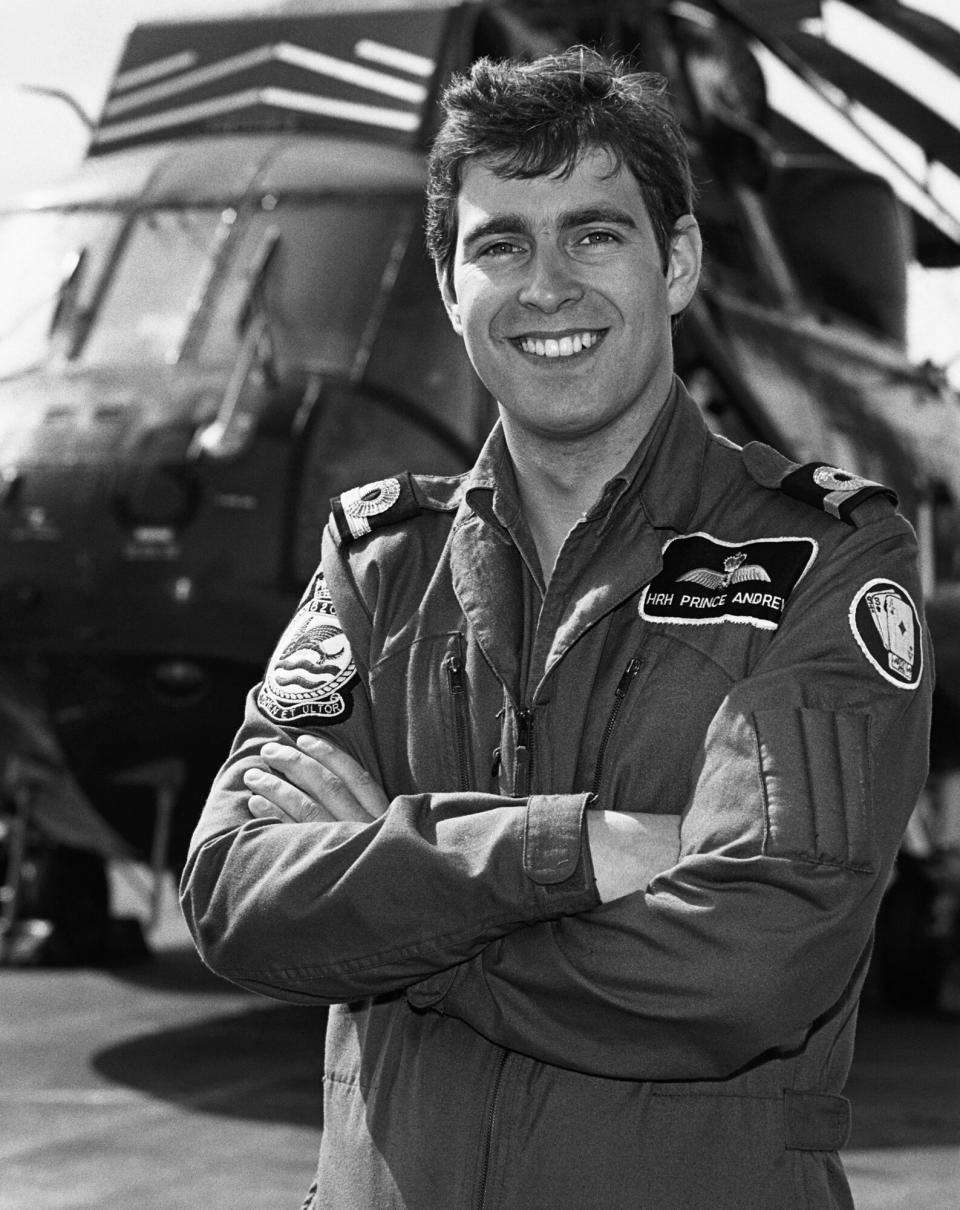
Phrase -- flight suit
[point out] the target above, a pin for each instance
(726, 638)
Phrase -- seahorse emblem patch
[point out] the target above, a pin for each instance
(311, 672)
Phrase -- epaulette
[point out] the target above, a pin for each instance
(359, 511)
(828, 488)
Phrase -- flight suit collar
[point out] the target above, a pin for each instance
(486, 563)
(618, 547)
(611, 554)
(491, 487)
(666, 469)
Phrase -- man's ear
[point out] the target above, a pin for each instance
(449, 298)
(683, 267)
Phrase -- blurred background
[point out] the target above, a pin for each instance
(215, 313)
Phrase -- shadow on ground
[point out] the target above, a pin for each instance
(905, 1083)
(174, 969)
(263, 1063)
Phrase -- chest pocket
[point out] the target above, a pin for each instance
(649, 732)
(435, 705)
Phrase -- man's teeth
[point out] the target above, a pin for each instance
(566, 346)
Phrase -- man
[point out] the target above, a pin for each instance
(574, 783)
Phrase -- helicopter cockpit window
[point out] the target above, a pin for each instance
(51, 264)
(184, 285)
(321, 285)
(156, 291)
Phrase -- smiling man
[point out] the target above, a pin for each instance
(574, 784)
(564, 298)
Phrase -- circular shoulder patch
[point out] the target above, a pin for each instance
(886, 625)
(311, 671)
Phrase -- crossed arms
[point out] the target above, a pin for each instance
(649, 959)
(318, 782)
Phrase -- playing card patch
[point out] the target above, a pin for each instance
(886, 625)
(312, 670)
(706, 581)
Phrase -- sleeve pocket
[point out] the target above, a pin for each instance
(815, 776)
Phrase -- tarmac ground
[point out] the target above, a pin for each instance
(157, 1086)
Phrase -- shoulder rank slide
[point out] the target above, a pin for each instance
(818, 484)
(362, 509)
(835, 491)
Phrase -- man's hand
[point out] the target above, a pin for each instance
(628, 850)
(314, 782)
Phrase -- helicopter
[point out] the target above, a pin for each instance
(227, 316)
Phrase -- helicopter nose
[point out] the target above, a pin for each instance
(157, 487)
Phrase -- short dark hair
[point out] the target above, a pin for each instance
(539, 118)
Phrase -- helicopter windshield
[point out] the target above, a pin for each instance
(180, 281)
(187, 279)
(40, 257)
(153, 294)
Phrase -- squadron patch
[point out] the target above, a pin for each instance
(886, 625)
(311, 671)
(705, 580)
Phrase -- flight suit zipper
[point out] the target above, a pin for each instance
(620, 694)
(523, 754)
(489, 1128)
(461, 720)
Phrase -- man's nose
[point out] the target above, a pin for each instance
(551, 281)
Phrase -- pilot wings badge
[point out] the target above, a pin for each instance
(736, 569)
(311, 671)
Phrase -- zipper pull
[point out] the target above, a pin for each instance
(461, 721)
(521, 764)
(631, 670)
(455, 672)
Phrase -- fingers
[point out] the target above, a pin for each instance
(315, 782)
(365, 789)
(274, 798)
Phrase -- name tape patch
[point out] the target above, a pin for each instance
(706, 580)
(311, 672)
(886, 625)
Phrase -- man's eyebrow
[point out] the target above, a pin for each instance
(497, 224)
(586, 215)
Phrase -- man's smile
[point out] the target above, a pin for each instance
(566, 344)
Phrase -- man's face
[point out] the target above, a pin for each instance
(561, 297)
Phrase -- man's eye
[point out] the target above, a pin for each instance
(597, 238)
(500, 248)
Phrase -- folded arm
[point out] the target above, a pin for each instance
(807, 776)
(317, 782)
(305, 881)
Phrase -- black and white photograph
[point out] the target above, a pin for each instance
(480, 605)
